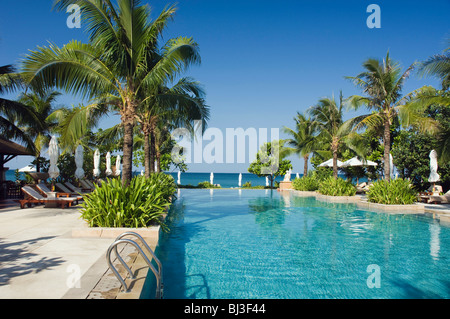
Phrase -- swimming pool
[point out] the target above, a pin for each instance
(259, 244)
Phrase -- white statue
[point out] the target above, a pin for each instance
(287, 177)
(434, 176)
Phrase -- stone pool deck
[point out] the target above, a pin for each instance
(43, 251)
(48, 254)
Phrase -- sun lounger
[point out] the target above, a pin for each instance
(34, 197)
(90, 183)
(86, 185)
(64, 189)
(46, 192)
(444, 199)
(77, 189)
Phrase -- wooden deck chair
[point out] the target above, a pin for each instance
(77, 189)
(45, 191)
(33, 197)
(90, 183)
(64, 189)
(86, 185)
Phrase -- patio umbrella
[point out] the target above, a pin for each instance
(356, 162)
(297, 175)
(434, 176)
(240, 179)
(79, 173)
(179, 178)
(28, 169)
(118, 166)
(97, 163)
(53, 153)
(329, 163)
(211, 178)
(267, 181)
(108, 171)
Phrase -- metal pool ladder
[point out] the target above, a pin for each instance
(157, 272)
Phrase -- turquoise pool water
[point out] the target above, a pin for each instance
(257, 244)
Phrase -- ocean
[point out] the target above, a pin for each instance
(226, 180)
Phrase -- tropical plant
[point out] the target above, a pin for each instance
(437, 66)
(12, 111)
(168, 108)
(382, 82)
(395, 192)
(303, 139)
(336, 187)
(42, 105)
(121, 63)
(270, 161)
(306, 183)
(333, 131)
(207, 184)
(166, 184)
(142, 203)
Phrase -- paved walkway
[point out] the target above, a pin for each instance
(39, 258)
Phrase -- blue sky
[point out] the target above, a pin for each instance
(262, 61)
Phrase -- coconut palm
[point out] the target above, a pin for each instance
(121, 62)
(438, 66)
(13, 111)
(333, 130)
(166, 109)
(382, 82)
(42, 105)
(303, 139)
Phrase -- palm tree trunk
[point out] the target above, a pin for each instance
(305, 167)
(387, 150)
(128, 122)
(127, 173)
(334, 147)
(152, 148)
(158, 161)
(146, 151)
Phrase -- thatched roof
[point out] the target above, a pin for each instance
(11, 148)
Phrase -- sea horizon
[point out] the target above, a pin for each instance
(225, 180)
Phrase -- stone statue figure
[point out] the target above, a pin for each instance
(434, 176)
(287, 177)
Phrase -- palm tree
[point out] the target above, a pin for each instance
(303, 139)
(382, 81)
(332, 129)
(439, 67)
(166, 109)
(122, 61)
(13, 111)
(41, 104)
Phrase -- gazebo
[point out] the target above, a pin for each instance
(8, 151)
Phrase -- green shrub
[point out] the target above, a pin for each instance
(140, 204)
(207, 184)
(165, 183)
(247, 185)
(336, 187)
(306, 183)
(396, 192)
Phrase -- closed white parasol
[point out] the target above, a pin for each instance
(434, 176)
(53, 153)
(108, 171)
(118, 166)
(97, 163)
(79, 157)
